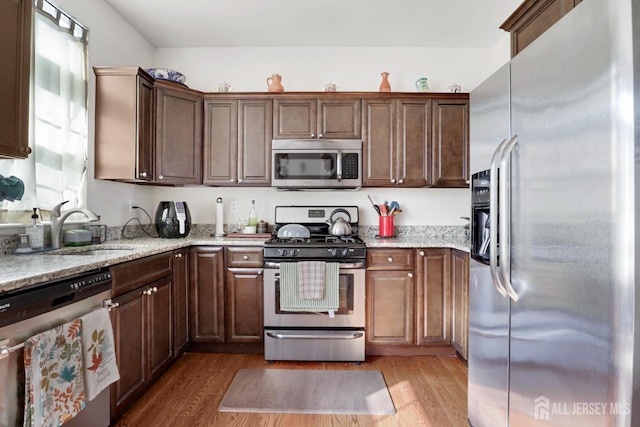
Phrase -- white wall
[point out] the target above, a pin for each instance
(114, 42)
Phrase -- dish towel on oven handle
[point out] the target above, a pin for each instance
(311, 279)
(98, 352)
(54, 387)
(289, 294)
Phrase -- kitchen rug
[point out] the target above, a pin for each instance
(295, 391)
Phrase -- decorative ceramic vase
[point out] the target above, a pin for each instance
(385, 86)
(274, 83)
(422, 85)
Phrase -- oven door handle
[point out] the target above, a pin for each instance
(343, 266)
(334, 335)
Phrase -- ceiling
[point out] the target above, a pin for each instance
(318, 23)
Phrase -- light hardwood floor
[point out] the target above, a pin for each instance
(426, 391)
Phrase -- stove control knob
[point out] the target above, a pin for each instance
(333, 251)
(294, 252)
(345, 252)
(282, 252)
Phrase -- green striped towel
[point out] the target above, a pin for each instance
(289, 297)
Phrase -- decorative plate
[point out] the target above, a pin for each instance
(166, 74)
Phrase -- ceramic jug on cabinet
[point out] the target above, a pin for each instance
(274, 83)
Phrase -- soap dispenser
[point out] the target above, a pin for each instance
(35, 231)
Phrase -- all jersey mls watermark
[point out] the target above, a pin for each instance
(544, 409)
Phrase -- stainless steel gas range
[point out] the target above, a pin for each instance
(303, 241)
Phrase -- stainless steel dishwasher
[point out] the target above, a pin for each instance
(31, 310)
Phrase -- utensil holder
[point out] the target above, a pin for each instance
(385, 225)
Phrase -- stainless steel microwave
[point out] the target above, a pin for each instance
(316, 164)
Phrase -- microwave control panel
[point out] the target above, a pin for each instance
(350, 166)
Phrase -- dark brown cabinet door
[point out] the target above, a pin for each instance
(339, 118)
(124, 128)
(413, 142)
(294, 118)
(15, 49)
(450, 146)
(180, 277)
(305, 117)
(433, 296)
(160, 327)
(379, 142)
(207, 295)
(390, 315)
(460, 288)
(244, 312)
(129, 327)
(532, 18)
(220, 141)
(178, 135)
(255, 118)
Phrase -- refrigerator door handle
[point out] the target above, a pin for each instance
(505, 217)
(493, 219)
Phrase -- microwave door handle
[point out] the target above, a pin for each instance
(339, 165)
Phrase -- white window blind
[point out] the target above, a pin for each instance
(57, 167)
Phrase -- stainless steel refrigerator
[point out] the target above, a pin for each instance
(555, 241)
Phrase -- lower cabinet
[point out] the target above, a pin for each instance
(226, 296)
(142, 324)
(409, 309)
(390, 295)
(460, 295)
(206, 324)
(180, 272)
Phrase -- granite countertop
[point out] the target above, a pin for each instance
(19, 271)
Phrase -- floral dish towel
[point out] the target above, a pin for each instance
(54, 386)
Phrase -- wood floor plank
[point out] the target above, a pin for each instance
(427, 391)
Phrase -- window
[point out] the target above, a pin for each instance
(56, 170)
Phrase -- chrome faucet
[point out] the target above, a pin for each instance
(57, 220)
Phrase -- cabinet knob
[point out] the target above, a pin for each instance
(178, 255)
(390, 259)
(320, 136)
(410, 275)
(393, 181)
(421, 253)
(313, 135)
(400, 181)
(146, 292)
(239, 180)
(161, 177)
(143, 174)
(260, 273)
(245, 257)
(232, 180)
(154, 289)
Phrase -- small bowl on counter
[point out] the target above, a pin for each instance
(166, 74)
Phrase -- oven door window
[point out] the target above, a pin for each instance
(345, 290)
(306, 165)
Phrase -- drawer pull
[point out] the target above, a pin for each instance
(390, 259)
(245, 257)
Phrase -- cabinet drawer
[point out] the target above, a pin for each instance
(133, 274)
(244, 257)
(390, 259)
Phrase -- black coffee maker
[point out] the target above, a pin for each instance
(173, 219)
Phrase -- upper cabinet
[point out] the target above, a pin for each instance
(178, 134)
(329, 117)
(396, 135)
(532, 18)
(124, 128)
(450, 143)
(146, 130)
(237, 140)
(416, 140)
(16, 17)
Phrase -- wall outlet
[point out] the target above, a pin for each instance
(234, 206)
(132, 203)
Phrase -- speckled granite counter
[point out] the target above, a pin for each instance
(24, 270)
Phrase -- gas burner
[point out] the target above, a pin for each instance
(339, 239)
